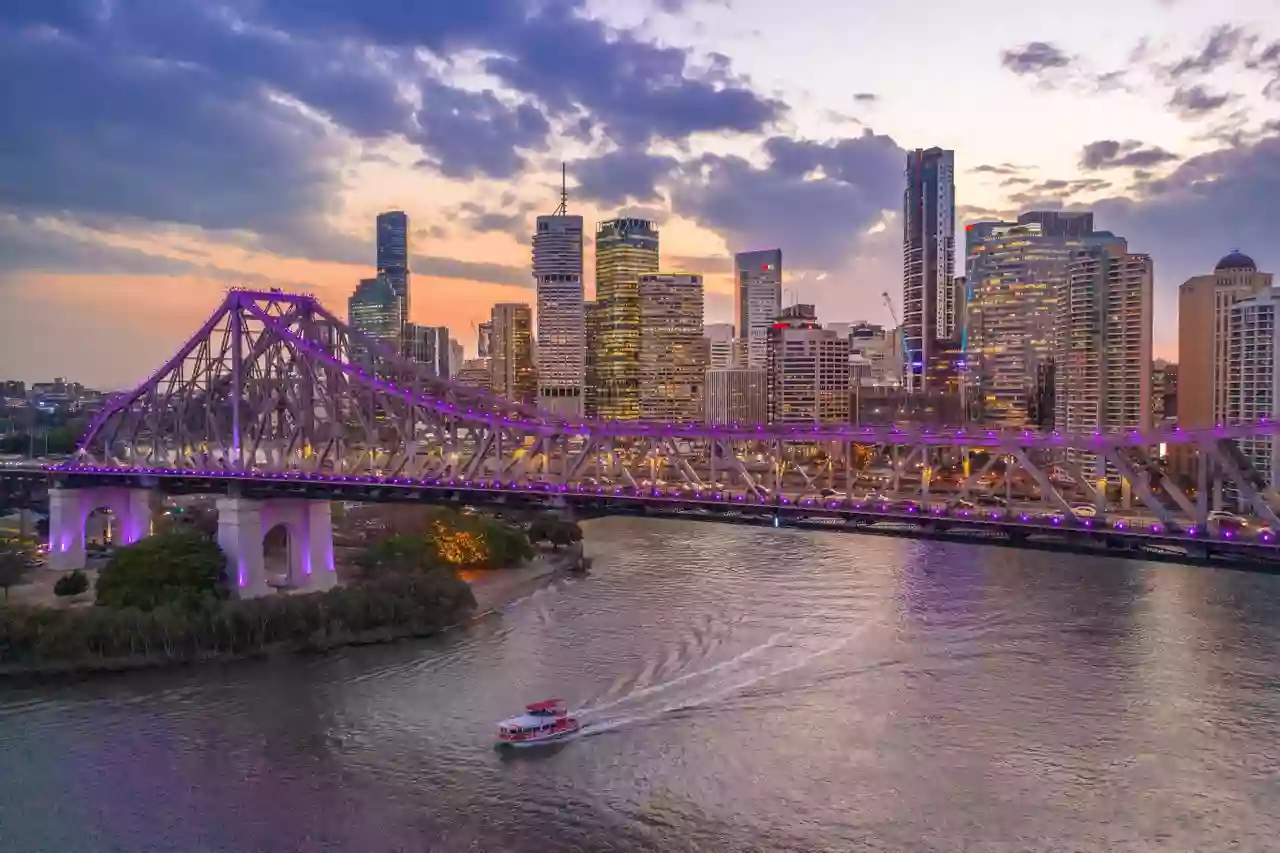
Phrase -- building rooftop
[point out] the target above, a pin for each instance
(1235, 260)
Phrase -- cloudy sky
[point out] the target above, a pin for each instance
(156, 152)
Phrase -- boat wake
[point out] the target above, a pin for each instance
(711, 685)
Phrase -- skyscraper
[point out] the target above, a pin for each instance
(720, 344)
(1102, 371)
(511, 347)
(428, 346)
(1204, 308)
(673, 352)
(591, 329)
(1253, 376)
(374, 310)
(757, 299)
(1016, 274)
(928, 269)
(557, 272)
(393, 255)
(736, 395)
(626, 249)
(484, 339)
(807, 370)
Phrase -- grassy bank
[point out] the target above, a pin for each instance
(39, 641)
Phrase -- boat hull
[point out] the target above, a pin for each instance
(543, 740)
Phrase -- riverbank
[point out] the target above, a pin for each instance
(494, 589)
(75, 637)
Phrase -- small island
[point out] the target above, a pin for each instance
(164, 600)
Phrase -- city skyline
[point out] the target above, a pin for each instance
(101, 276)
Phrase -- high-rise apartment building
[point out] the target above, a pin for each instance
(476, 372)
(720, 344)
(455, 357)
(1015, 274)
(1204, 309)
(870, 354)
(1164, 391)
(511, 371)
(591, 329)
(807, 370)
(626, 249)
(673, 351)
(374, 310)
(557, 273)
(737, 395)
(1252, 376)
(393, 256)
(757, 300)
(484, 339)
(1102, 371)
(428, 346)
(928, 269)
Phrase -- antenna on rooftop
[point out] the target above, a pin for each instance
(563, 209)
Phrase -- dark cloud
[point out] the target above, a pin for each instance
(1034, 58)
(866, 97)
(1111, 154)
(1000, 169)
(41, 245)
(109, 134)
(512, 219)
(1196, 102)
(815, 199)
(549, 50)
(626, 174)
(1224, 44)
(466, 134)
(1015, 181)
(1056, 192)
(1209, 204)
(222, 115)
(1268, 61)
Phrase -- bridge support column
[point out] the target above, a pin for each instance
(243, 524)
(69, 509)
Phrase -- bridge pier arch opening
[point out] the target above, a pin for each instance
(70, 510)
(271, 544)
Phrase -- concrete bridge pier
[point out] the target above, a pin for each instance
(69, 509)
(243, 526)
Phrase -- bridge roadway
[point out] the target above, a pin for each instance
(1022, 524)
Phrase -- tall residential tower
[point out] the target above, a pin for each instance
(393, 256)
(928, 269)
(626, 249)
(757, 300)
(557, 272)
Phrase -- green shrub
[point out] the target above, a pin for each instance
(177, 568)
(72, 584)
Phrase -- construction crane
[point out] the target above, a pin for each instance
(893, 312)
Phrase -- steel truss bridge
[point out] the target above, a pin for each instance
(276, 399)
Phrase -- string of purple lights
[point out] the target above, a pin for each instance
(835, 507)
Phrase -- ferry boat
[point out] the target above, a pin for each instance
(541, 722)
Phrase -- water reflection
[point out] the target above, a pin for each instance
(746, 689)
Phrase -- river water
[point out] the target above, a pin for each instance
(747, 689)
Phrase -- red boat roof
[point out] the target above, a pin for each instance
(546, 705)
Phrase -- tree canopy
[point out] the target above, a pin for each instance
(173, 568)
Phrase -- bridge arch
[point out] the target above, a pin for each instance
(71, 510)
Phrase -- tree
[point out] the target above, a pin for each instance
(71, 584)
(174, 568)
(13, 565)
(542, 528)
(398, 555)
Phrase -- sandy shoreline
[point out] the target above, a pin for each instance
(496, 588)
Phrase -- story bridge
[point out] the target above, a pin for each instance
(278, 407)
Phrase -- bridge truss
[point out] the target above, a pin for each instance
(275, 386)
